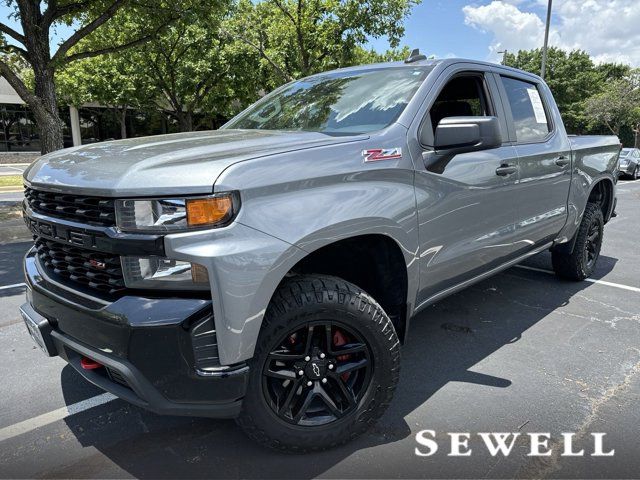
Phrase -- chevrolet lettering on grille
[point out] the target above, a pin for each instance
(60, 233)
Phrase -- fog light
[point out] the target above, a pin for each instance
(164, 273)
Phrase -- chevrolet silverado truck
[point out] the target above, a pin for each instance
(268, 271)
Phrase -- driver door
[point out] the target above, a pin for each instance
(467, 203)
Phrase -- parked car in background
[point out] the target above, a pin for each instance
(629, 165)
(269, 270)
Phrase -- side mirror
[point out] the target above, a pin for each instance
(456, 135)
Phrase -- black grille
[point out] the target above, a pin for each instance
(96, 270)
(79, 208)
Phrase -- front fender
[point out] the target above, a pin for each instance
(245, 267)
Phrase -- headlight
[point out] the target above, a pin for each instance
(165, 215)
(624, 162)
(164, 273)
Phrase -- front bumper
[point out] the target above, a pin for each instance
(146, 346)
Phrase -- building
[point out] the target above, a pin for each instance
(88, 124)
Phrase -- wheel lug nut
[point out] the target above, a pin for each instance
(324, 380)
(307, 358)
(301, 372)
(331, 366)
(322, 355)
(309, 383)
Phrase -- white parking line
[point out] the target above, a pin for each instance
(15, 285)
(591, 280)
(47, 418)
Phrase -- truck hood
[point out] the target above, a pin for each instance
(183, 163)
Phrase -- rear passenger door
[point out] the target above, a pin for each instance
(544, 159)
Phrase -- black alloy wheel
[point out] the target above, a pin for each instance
(317, 374)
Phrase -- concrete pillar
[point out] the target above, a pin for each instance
(75, 126)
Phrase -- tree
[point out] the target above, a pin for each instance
(108, 80)
(572, 77)
(618, 105)
(32, 46)
(296, 38)
(193, 68)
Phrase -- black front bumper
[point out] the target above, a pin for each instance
(144, 344)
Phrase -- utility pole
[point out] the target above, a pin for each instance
(543, 71)
(504, 56)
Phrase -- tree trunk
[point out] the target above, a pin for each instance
(122, 118)
(50, 128)
(45, 110)
(636, 133)
(185, 121)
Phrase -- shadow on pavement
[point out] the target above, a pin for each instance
(11, 255)
(485, 317)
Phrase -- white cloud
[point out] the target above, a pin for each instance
(607, 29)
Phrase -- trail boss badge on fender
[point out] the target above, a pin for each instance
(376, 154)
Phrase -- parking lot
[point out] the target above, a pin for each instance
(520, 352)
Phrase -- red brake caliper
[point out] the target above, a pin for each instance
(340, 339)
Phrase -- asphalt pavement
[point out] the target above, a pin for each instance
(533, 354)
(13, 169)
(11, 197)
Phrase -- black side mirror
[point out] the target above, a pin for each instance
(467, 134)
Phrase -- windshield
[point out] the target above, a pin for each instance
(337, 102)
(626, 151)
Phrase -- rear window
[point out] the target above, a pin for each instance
(529, 115)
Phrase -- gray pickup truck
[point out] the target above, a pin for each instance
(268, 271)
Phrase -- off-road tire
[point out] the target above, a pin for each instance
(298, 301)
(574, 266)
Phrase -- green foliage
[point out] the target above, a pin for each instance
(572, 77)
(618, 105)
(219, 58)
(296, 38)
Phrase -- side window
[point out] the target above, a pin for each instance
(529, 115)
(463, 96)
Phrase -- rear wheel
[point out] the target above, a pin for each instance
(636, 173)
(581, 263)
(325, 366)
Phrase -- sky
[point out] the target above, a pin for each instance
(609, 30)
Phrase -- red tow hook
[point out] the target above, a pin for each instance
(89, 364)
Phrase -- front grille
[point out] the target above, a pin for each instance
(96, 270)
(95, 211)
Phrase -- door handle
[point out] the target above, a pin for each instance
(562, 161)
(505, 170)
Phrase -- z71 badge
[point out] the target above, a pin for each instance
(376, 154)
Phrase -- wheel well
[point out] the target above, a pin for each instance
(372, 262)
(602, 195)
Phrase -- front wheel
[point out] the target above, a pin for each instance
(325, 367)
(636, 173)
(581, 263)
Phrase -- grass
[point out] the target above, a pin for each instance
(10, 180)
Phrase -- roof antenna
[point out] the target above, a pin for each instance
(415, 56)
